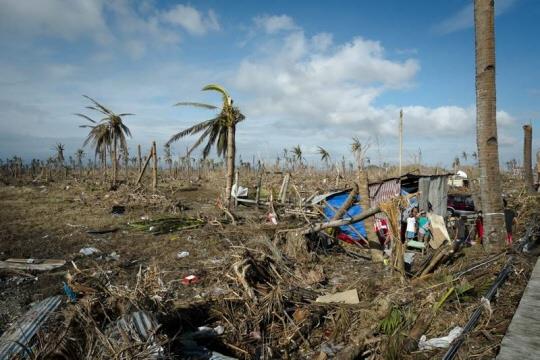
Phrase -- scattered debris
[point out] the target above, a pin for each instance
(167, 225)
(88, 251)
(345, 297)
(182, 254)
(118, 210)
(190, 279)
(16, 339)
(32, 264)
(442, 342)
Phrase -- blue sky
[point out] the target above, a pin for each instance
(304, 72)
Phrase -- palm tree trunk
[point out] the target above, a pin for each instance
(486, 123)
(527, 158)
(363, 190)
(231, 153)
(114, 161)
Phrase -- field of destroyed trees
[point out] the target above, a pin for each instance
(116, 253)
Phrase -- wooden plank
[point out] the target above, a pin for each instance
(522, 339)
(32, 264)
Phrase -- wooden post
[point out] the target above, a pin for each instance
(154, 167)
(236, 174)
(139, 158)
(284, 186)
(259, 181)
(144, 167)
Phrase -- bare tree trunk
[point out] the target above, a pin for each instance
(527, 158)
(486, 123)
(154, 166)
(139, 158)
(231, 152)
(363, 190)
(114, 163)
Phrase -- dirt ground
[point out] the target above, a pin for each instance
(52, 220)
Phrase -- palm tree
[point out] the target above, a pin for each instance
(219, 131)
(464, 156)
(108, 132)
(297, 151)
(486, 121)
(474, 155)
(59, 148)
(325, 155)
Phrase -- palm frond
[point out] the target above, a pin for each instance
(225, 95)
(102, 108)
(192, 130)
(196, 104)
(86, 117)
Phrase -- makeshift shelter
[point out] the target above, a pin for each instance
(432, 189)
(331, 204)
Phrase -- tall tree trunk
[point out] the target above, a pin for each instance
(527, 158)
(114, 163)
(363, 191)
(231, 153)
(486, 123)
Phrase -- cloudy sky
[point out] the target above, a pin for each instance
(304, 72)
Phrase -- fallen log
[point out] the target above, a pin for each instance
(337, 223)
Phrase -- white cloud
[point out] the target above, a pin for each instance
(464, 18)
(314, 94)
(191, 19)
(66, 19)
(275, 23)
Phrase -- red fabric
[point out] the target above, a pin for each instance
(480, 229)
(344, 237)
(509, 239)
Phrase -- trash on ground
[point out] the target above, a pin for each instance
(345, 297)
(118, 210)
(102, 231)
(17, 338)
(238, 191)
(182, 254)
(69, 292)
(87, 251)
(442, 342)
(190, 279)
(167, 225)
(32, 264)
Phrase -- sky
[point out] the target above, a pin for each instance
(308, 73)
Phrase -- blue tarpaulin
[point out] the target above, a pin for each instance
(336, 201)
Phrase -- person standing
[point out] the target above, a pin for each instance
(424, 227)
(509, 220)
(410, 232)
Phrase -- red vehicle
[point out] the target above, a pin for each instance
(460, 204)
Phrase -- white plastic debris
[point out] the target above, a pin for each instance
(182, 254)
(239, 191)
(87, 251)
(442, 342)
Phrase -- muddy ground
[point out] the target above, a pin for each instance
(52, 220)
